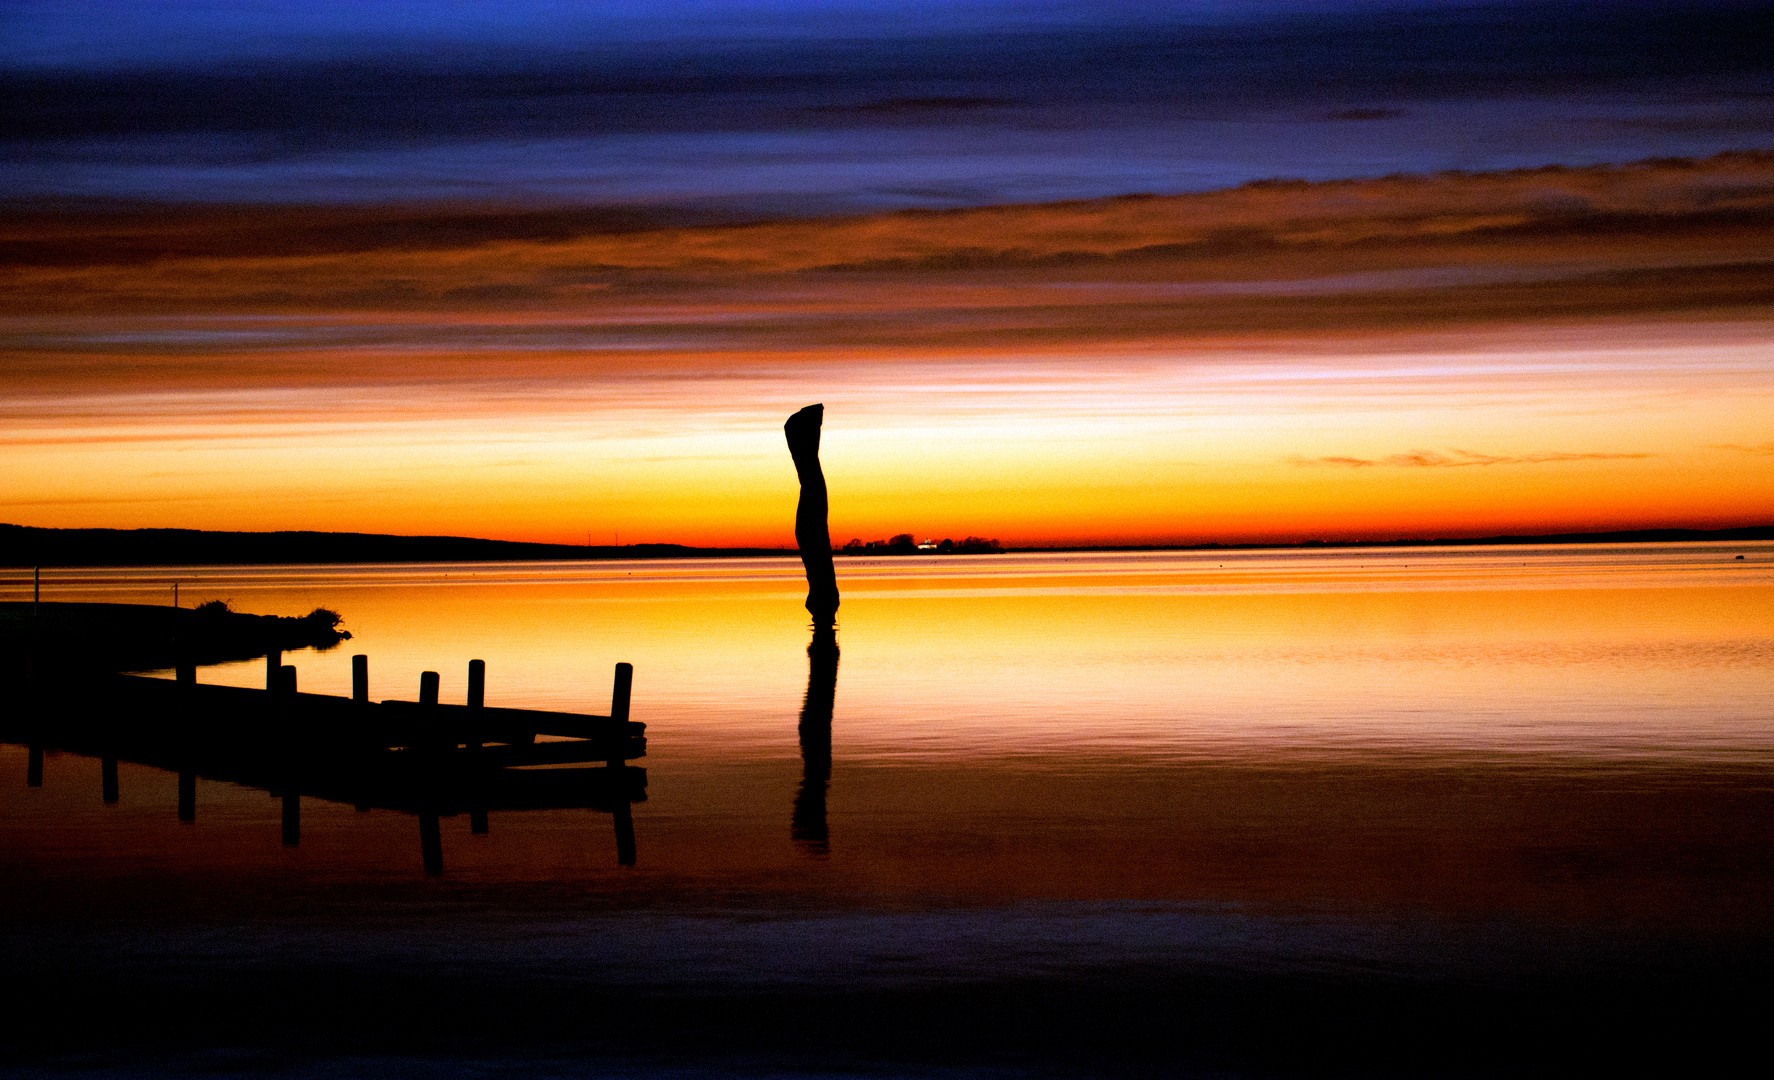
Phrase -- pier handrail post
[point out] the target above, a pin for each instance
(619, 693)
(618, 764)
(292, 754)
(430, 838)
(360, 678)
(619, 714)
(273, 663)
(477, 699)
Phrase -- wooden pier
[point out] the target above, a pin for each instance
(416, 757)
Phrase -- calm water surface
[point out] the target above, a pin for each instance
(1198, 811)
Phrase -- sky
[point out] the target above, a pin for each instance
(1062, 273)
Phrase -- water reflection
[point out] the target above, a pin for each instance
(1077, 805)
(808, 824)
(268, 743)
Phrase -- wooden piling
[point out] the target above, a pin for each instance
(477, 697)
(187, 673)
(34, 767)
(187, 795)
(286, 680)
(108, 778)
(619, 705)
(273, 664)
(430, 839)
(360, 678)
(812, 535)
(624, 816)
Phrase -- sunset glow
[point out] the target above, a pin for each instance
(1463, 387)
(1428, 353)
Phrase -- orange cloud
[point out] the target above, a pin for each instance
(1456, 458)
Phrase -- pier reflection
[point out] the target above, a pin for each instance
(808, 823)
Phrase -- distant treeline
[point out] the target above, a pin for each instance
(22, 545)
(903, 544)
(27, 546)
(1627, 536)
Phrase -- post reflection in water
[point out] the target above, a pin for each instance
(808, 824)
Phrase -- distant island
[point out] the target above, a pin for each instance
(903, 544)
(23, 545)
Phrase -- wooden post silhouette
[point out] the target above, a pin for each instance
(430, 840)
(618, 765)
(477, 699)
(187, 795)
(290, 736)
(108, 778)
(273, 664)
(811, 533)
(360, 677)
(477, 683)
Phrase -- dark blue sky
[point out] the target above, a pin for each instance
(793, 108)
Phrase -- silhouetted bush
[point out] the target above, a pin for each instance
(325, 617)
(904, 544)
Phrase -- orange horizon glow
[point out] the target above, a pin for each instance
(1401, 358)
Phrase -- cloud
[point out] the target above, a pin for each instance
(1760, 450)
(1458, 458)
(196, 298)
(1259, 220)
(1363, 114)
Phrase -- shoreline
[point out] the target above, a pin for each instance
(23, 547)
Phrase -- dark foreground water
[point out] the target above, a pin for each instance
(1469, 811)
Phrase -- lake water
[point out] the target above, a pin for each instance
(1219, 813)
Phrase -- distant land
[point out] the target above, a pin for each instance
(23, 545)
